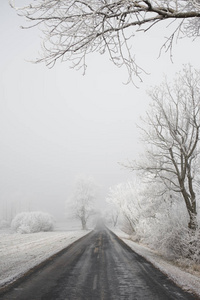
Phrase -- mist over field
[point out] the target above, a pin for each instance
(57, 124)
(99, 149)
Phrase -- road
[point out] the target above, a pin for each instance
(99, 266)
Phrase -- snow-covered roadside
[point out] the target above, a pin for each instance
(183, 279)
(21, 252)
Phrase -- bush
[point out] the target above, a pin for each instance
(169, 234)
(30, 222)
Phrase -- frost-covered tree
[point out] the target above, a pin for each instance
(126, 197)
(172, 138)
(83, 199)
(166, 229)
(112, 215)
(157, 220)
(73, 28)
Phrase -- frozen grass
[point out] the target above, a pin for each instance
(186, 281)
(21, 252)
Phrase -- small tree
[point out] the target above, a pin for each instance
(72, 28)
(115, 216)
(172, 136)
(112, 215)
(83, 199)
(125, 196)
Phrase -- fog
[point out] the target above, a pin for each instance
(57, 124)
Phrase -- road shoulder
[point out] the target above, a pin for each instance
(186, 281)
(20, 254)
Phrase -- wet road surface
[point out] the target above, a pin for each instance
(99, 266)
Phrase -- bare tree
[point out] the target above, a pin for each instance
(74, 28)
(83, 198)
(172, 136)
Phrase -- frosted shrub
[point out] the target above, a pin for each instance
(193, 249)
(168, 233)
(30, 222)
(182, 244)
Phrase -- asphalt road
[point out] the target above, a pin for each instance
(99, 266)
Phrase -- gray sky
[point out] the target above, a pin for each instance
(57, 123)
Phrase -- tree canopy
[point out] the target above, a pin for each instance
(172, 137)
(83, 199)
(74, 28)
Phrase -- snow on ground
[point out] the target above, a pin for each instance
(183, 279)
(21, 252)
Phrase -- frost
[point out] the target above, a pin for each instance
(21, 252)
(30, 222)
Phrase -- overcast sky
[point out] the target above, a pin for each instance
(56, 123)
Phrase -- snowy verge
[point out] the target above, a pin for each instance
(21, 252)
(186, 281)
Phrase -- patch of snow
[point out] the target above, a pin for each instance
(21, 252)
(186, 281)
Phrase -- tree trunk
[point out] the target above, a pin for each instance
(191, 208)
(83, 221)
(193, 224)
